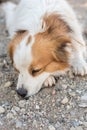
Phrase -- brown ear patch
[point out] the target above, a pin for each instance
(15, 41)
(55, 25)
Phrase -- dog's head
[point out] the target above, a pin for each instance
(37, 56)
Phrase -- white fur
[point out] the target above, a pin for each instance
(28, 15)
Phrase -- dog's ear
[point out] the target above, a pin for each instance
(62, 49)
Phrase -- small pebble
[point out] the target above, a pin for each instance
(65, 100)
(2, 110)
(37, 107)
(16, 108)
(83, 102)
(75, 123)
(72, 94)
(14, 112)
(84, 97)
(35, 123)
(23, 111)
(10, 116)
(7, 84)
(4, 62)
(22, 103)
(64, 86)
(77, 128)
(1, 123)
(85, 124)
(51, 127)
(72, 128)
(13, 92)
(54, 92)
(69, 107)
(18, 124)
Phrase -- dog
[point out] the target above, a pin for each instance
(46, 41)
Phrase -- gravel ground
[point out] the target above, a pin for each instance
(63, 107)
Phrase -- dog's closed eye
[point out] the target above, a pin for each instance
(35, 71)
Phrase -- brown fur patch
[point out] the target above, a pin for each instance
(55, 25)
(15, 41)
(49, 51)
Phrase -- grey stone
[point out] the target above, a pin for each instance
(65, 100)
(22, 103)
(16, 108)
(77, 128)
(75, 123)
(72, 128)
(37, 107)
(85, 124)
(1, 123)
(10, 116)
(35, 123)
(83, 102)
(2, 110)
(7, 84)
(18, 124)
(51, 127)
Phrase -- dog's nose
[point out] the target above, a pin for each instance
(22, 92)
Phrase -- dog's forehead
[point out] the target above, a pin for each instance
(23, 53)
